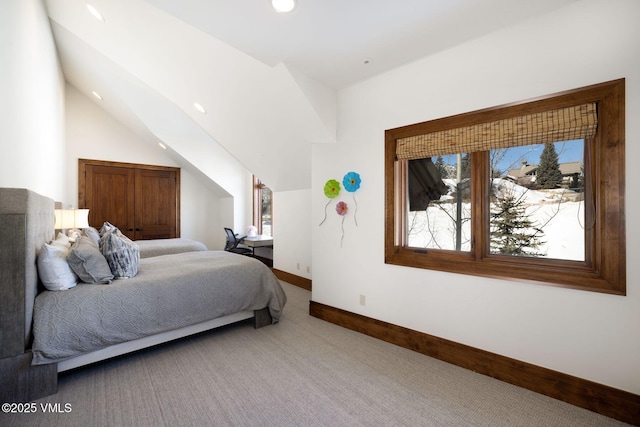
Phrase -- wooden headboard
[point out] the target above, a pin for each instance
(26, 222)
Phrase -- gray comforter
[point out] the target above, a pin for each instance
(169, 292)
(156, 247)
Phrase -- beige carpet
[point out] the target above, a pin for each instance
(300, 372)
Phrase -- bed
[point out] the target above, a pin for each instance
(173, 295)
(151, 248)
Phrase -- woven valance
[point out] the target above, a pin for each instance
(564, 124)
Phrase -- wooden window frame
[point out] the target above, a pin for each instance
(604, 268)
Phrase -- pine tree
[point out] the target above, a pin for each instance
(466, 166)
(513, 233)
(441, 168)
(548, 174)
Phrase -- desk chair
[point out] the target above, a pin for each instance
(233, 243)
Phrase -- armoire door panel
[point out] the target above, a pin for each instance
(110, 197)
(155, 209)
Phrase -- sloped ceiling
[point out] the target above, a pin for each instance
(268, 81)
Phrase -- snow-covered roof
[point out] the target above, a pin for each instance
(568, 168)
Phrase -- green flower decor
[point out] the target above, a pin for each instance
(331, 190)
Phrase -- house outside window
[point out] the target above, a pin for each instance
(532, 191)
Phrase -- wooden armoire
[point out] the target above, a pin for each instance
(143, 201)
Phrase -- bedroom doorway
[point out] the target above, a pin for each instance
(143, 201)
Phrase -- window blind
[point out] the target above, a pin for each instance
(564, 124)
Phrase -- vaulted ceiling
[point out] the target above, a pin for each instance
(267, 81)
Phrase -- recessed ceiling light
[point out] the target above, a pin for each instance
(283, 6)
(199, 108)
(164, 147)
(97, 95)
(95, 12)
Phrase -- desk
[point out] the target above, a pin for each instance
(257, 241)
(260, 241)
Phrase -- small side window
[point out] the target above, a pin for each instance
(262, 207)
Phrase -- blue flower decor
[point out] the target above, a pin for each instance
(351, 183)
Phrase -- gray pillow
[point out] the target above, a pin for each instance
(122, 254)
(88, 263)
(93, 234)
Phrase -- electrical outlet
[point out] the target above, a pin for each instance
(298, 265)
(362, 300)
(308, 269)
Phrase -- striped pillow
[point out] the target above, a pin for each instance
(121, 253)
(106, 227)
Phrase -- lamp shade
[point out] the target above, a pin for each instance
(81, 218)
(71, 218)
(64, 219)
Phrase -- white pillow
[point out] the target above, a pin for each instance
(53, 268)
(61, 241)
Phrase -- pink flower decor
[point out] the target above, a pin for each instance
(341, 208)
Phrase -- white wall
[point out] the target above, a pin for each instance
(291, 235)
(264, 115)
(32, 101)
(200, 212)
(590, 335)
(93, 134)
(233, 180)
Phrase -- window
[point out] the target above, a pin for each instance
(262, 207)
(532, 191)
(439, 193)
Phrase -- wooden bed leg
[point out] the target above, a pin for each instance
(261, 318)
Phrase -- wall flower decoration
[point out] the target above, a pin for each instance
(331, 190)
(351, 182)
(342, 209)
